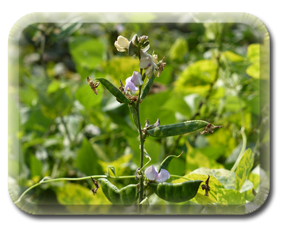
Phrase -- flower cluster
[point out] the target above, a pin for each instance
(139, 46)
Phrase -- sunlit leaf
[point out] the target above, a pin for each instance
(244, 168)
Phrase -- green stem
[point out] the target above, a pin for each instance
(142, 147)
(70, 179)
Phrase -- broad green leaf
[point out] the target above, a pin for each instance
(147, 87)
(35, 166)
(232, 56)
(177, 129)
(178, 104)
(75, 194)
(87, 97)
(120, 68)
(230, 197)
(226, 177)
(255, 179)
(234, 104)
(254, 70)
(253, 53)
(87, 160)
(87, 53)
(53, 86)
(195, 159)
(196, 78)
(151, 108)
(244, 168)
(178, 49)
(113, 90)
(167, 160)
(214, 184)
(120, 164)
(57, 103)
(35, 120)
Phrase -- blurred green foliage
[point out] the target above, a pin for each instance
(212, 74)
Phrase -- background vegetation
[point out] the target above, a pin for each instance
(212, 74)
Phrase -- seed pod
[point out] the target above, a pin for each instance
(177, 129)
(125, 196)
(113, 90)
(178, 192)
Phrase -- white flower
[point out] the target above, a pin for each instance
(149, 63)
(152, 174)
(121, 44)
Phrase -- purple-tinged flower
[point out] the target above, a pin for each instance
(149, 63)
(133, 82)
(152, 174)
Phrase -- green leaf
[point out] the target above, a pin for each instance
(113, 90)
(232, 56)
(253, 53)
(230, 197)
(254, 70)
(196, 78)
(167, 160)
(53, 86)
(120, 68)
(177, 129)
(195, 159)
(87, 53)
(75, 194)
(244, 168)
(178, 104)
(35, 166)
(234, 104)
(214, 184)
(226, 177)
(120, 164)
(147, 87)
(178, 49)
(87, 160)
(87, 97)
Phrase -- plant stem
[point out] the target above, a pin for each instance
(142, 148)
(70, 179)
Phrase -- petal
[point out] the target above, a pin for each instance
(151, 173)
(137, 78)
(120, 49)
(123, 42)
(145, 62)
(144, 54)
(130, 85)
(149, 71)
(163, 176)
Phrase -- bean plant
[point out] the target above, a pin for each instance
(205, 186)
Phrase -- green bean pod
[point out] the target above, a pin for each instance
(177, 128)
(113, 90)
(178, 192)
(125, 196)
